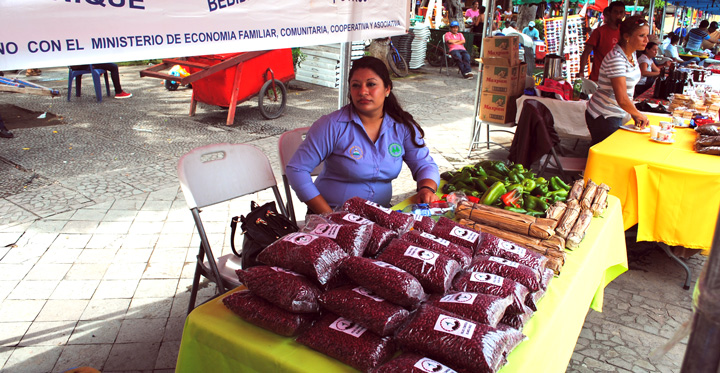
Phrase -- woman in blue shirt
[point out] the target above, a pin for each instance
(363, 146)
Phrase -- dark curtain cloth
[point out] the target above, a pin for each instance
(535, 134)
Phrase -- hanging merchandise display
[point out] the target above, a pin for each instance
(574, 42)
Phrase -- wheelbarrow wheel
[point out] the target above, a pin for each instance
(171, 85)
(272, 101)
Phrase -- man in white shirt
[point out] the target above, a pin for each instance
(671, 51)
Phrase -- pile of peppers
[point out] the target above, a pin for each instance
(511, 187)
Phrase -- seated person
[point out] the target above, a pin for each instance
(648, 70)
(114, 75)
(672, 52)
(363, 146)
(456, 45)
(531, 31)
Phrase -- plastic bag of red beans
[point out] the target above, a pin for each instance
(483, 308)
(389, 282)
(423, 223)
(388, 218)
(351, 238)
(445, 336)
(348, 342)
(488, 283)
(435, 271)
(494, 246)
(461, 254)
(313, 256)
(457, 234)
(508, 269)
(517, 320)
(366, 308)
(379, 237)
(533, 298)
(413, 363)
(264, 314)
(514, 337)
(288, 290)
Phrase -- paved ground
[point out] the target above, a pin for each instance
(97, 245)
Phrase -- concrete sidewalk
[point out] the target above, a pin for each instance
(98, 246)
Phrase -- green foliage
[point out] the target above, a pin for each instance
(298, 57)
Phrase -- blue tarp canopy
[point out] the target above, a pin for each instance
(710, 6)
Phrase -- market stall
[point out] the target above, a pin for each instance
(215, 339)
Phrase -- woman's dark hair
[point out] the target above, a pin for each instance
(629, 25)
(674, 39)
(476, 2)
(481, 9)
(649, 45)
(392, 106)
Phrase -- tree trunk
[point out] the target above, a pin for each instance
(379, 48)
(527, 14)
(455, 13)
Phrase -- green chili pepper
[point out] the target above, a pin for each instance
(492, 180)
(534, 213)
(447, 175)
(479, 183)
(540, 190)
(536, 203)
(485, 164)
(472, 192)
(518, 167)
(493, 193)
(514, 186)
(501, 168)
(480, 171)
(540, 180)
(515, 209)
(514, 177)
(495, 174)
(556, 183)
(528, 184)
(448, 188)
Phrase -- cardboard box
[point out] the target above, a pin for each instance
(501, 50)
(497, 107)
(520, 88)
(501, 79)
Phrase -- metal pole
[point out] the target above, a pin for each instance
(487, 31)
(345, 53)
(651, 15)
(662, 22)
(566, 5)
(701, 354)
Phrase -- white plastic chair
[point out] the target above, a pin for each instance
(288, 144)
(213, 174)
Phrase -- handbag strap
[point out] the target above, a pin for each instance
(233, 228)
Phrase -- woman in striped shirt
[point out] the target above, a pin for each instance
(619, 73)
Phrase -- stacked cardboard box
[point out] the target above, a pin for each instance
(503, 78)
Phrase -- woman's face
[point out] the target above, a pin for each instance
(639, 39)
(368, 92)
(476, 5)
(652, 52)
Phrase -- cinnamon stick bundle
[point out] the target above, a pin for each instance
(588, 195)
(576, 190)
(518, 238)
(503, 219)
(577, 233)
(556, 211)
(600, 201)
(568, 220)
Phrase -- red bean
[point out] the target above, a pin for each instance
(264, 314)
(444, 336)
(348, 342)
(514, 337)
(288, 290)
(423, 223)
(483, 308)
(391, 219)
(307, 254)
(494, 246)
(461, 254)
(516, 321)
(487, 283)
(379, 237)
(413, 363)
(351, 238)
(435, 271)
(457, 234)
(508, 269)
(389, 282)
(366, 308)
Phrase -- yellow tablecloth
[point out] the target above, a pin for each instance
(671, 192)
(215, 340)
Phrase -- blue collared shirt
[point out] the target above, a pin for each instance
(354, 165)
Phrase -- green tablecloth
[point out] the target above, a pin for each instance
(215, 340)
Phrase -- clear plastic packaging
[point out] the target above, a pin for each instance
(366, 308)
(494, 246)
(350, 237)
(288, 290)
(483, 308)
(264, 314)
(413, 363)
(444, 336)
(391, 219)
(423, 223)
(488, 283)
(379, 237)
(514, 337)
(435, 271)
(517, 320)
(461, 254)
(348, 342)
(389, 282)
(457, 234)
(313, 256)
(508, 269)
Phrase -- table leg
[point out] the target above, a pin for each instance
(669, 252)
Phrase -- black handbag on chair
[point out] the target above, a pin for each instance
(261, 227)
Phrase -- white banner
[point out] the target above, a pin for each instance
(46, 33)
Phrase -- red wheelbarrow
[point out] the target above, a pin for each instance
(216, 79)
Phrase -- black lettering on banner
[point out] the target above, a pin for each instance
(9, 47)
(44, 46)
(173, 38)
(115, 3)
(73, 45)
(214, 5)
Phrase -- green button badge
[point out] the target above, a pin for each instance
(395, 149)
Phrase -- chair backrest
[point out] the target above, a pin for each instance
(287, 146)
(220, 172)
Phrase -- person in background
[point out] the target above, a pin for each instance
(456, 45)
(478, 23)
(648, 69)
(666, 41)
(619, 73)
(714, 37)
(474, 11)
(363, 146)
(682, 32)
(603, 39)
(498, 17)
(696, 36)
(507, 14)
(114, 75)
(673, 53)
(33, 72)
(531, 31)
